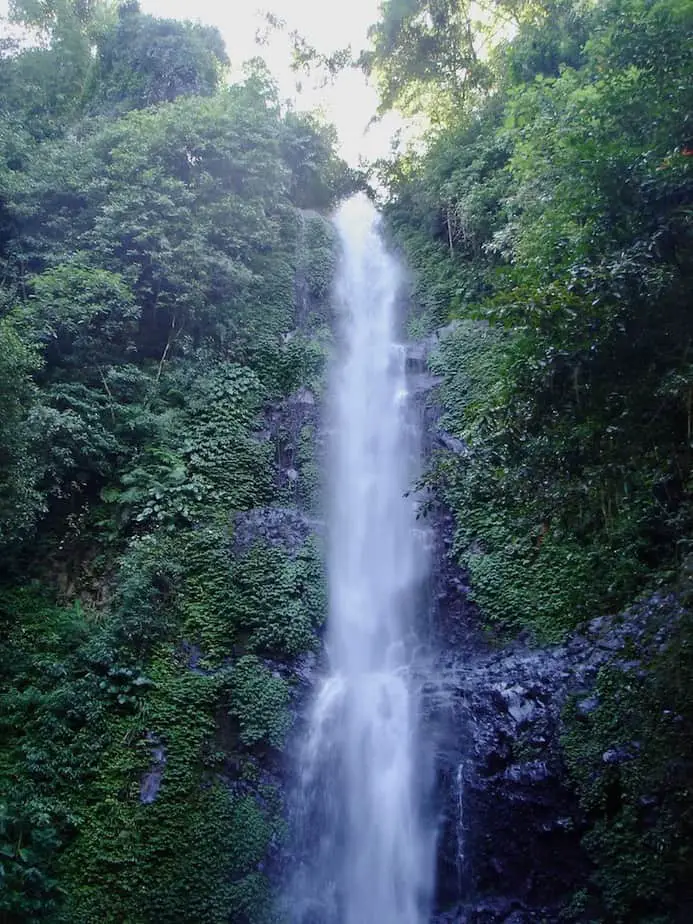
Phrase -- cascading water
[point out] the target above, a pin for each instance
(364, 845)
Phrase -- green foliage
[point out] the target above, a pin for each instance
(551, 38)
(281, 599)
(425, 55)
(258, 697)
(318, 177)
(143, 60)
(127, 861)
(311, 480)
(92, 700)
(468, 359)
(20, 498)
(85, 316)
(47, 748)
(319, 255)
(154, 238)
(150, 225)
(555, 207)
(445, 210)
(45, 84)
(27, 839)
(636, 796)
(531, 549)
(204, 459)
(99, 58)
(558, 210)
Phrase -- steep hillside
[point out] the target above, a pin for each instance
(549, 217)
(163, 328)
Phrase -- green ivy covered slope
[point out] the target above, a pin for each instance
(549, 216)
(163, 268)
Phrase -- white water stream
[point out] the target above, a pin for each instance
(367, 846)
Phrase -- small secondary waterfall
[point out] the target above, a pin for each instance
(365, 845)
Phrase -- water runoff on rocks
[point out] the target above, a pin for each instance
(363, 841)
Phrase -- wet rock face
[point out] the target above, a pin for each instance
(422, 387)
(493, 911)
(283, 527)
(519, 826)
(294, 427)
(510, 824)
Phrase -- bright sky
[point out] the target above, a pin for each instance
(350, 103)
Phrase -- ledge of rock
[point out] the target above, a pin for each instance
(284, 527)
(511, 826)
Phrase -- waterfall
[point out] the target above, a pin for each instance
(364, 843)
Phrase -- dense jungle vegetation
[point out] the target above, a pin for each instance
(550, 215)
(164, 276)
(163, 269)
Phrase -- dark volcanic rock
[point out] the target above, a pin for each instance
(285, 527)
(519, 837)
(511, 827)
(291, 425)
(492, 911)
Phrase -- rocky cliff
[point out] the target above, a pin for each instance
(542, 752)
